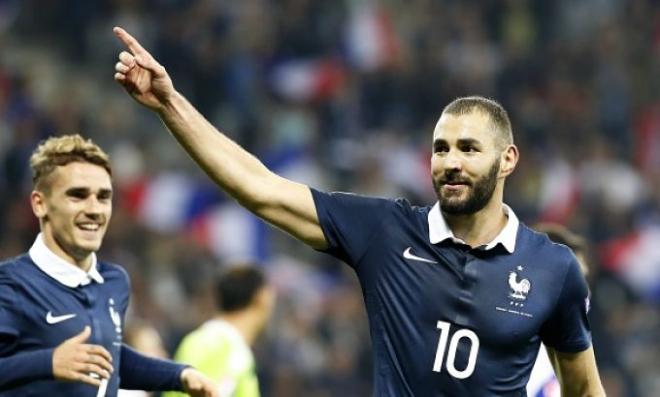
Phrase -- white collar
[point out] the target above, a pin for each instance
(61, 270)
(439, 230)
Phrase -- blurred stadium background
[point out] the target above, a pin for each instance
(344, 95)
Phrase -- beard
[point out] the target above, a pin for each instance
(479, 192)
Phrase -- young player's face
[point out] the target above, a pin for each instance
(75, 210)
(466, 162)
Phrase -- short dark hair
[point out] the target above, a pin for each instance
(496, 112)
(236, 287)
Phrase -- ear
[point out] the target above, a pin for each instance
(508, 160)
(38, 203)
(266, 298)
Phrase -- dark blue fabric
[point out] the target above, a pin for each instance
(139, 372)
(507, 302)
(27, 340)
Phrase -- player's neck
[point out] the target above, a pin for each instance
(52, 244)
(481, 227)
(244, 322)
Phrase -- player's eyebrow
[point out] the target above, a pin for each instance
(469, 141)
(84, 191)
(105, 193)
(77, 191)
(461, 142)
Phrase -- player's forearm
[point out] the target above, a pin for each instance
(22, 368)
(588, 389)
(577, 373)
(140, 372)
(235, 170)
(585, 383)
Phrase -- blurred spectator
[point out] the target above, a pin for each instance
(221, 347)
(145, 339)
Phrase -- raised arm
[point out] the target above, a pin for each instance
(577, 373)
(284, 203)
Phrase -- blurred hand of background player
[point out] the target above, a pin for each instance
(141, 75)
(198, 385)
(76, 361)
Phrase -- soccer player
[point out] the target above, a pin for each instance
(61, 309)
(459, 294)
(542, 381)
(220, 348)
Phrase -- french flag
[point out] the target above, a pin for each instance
(371, 38)
(636, 259)
(232, 233)
(172, 202)
(647, 139)
(559, 192)
(308, 80)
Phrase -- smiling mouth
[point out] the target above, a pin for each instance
(454, 181)
(455, 184)
(89, 227)
(453, 188)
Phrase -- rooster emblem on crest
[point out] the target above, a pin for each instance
(115, 316)
(519, 289)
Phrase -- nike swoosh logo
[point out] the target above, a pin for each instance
(409, 255)
(50, 319)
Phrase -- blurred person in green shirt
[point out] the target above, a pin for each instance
(220, 347)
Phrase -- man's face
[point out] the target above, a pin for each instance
(75, 210)
(466, 162)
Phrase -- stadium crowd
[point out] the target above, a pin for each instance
(343, 95)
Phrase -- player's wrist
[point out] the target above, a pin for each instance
(171, 103)
(184, 376)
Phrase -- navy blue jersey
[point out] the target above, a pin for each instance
(450, 320)
(37, 313)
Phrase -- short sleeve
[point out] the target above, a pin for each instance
(567, 329)
(349, 222)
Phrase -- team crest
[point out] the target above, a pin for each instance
(114, 315)
(519, 288)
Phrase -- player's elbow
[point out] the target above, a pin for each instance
(263, 199)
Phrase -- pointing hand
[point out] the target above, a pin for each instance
(141, 75)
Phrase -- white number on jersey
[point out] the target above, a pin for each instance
(451, 352)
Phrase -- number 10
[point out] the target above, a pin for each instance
(443, 326)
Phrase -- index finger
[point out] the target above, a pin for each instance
(99, 350)
(129, 41)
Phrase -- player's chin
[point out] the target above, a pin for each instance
(90, 243)
(88, 247)
(453, 196)
(453, 205)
